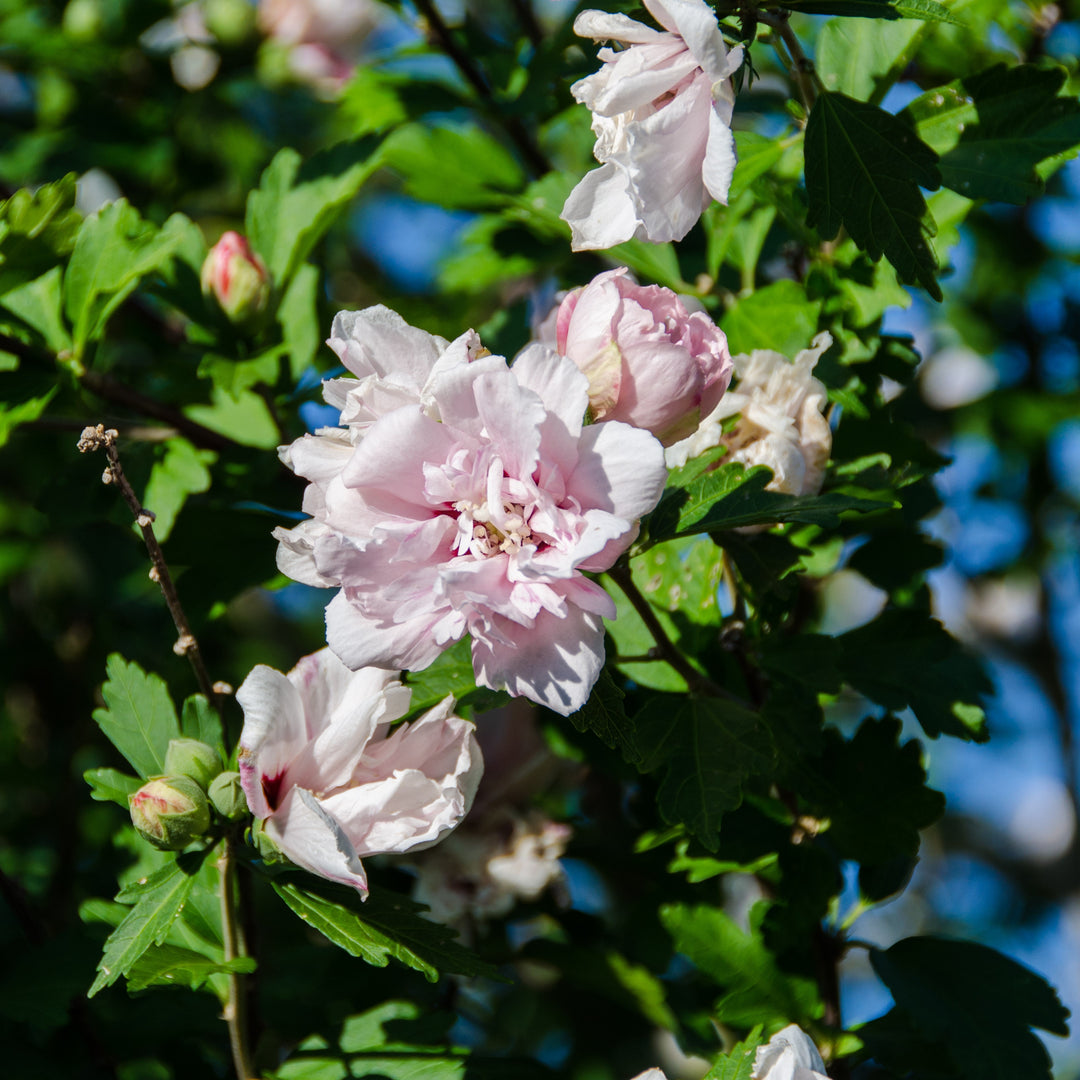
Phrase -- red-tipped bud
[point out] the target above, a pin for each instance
(237, 278)
(170, 812)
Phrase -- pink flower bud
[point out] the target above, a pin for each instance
(236, 277)
(170, 812)
(649, 361)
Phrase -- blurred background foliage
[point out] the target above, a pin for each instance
(181, 110)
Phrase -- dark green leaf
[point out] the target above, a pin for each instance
(109, 785)
(11, 416)
(928, 10)
(169, 965)
(139, 717)
(158, 900)
(873, 791)
(864, 169)
(605, 716)
(386, 928)
(993, 128)
(451, 673)
(708, 748)
(741, 963)
(977, 1002)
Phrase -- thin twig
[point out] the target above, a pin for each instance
(235, 1012)
(95, 438)
(442, 37)
(801, 67)
(665, 647)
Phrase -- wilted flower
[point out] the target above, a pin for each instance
(649, 361)
(661, 113)
(332, 783)
(170, 812)
(473, 510)
(781, 424)
(236, 277)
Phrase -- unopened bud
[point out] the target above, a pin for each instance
(230, 21)
(237, 278)
(193, 759)
(170, 812)
(227, 796)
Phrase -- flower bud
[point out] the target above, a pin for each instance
(227, 796)
(170, 812)
(230, 21)
(236, 277)
(193, 759)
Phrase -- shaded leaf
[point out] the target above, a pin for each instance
(110, 785)
(182, 471)
(928, 10)
(864, 169)
(169, 965)
(452, 673)
(11, 416)
(856, 56)
(604, 714)
(200, 720)
(139, 717)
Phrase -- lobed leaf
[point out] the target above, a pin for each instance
(109, 785)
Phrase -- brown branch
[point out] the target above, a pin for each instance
(665, 647)
(235, 1011)
(95, 438)
(444, 39)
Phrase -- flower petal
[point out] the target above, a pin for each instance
(600, 210)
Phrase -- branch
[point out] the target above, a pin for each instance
(797, 62)
(235, 1012)
(440, 34)
(186, 645)
(665, 647)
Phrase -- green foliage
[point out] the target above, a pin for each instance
(739, 1063)
(451, 674)
(157, 900)
(139, 717)
(755, 320)
(992, 129)
(385, 928)
(978, 1005)
(864, 169)
(108, 785)
(168, 965)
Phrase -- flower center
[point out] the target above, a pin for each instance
(483, 532)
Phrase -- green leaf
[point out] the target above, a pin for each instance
(779, 317)
(604, 714)
(993, 128)
(244, 418)
(864, 169)
(858, 56)
(200, 720)
(39, 304)
(873, 791)
(708, 749)
(298, 315)
(978, 1003)
(158, 900)
(139, 717)
(386, 928)
(656, 262)
(451, 673)
(169, 965)
(928, 10)
(182, 471)
(295, 204)
(730, 497)
(756, 990)
(11, 416)
(739, 1064)
(113, 250)
(370, 103)
(473, 171)
(757, 154)
(37, 229)
(110, 785)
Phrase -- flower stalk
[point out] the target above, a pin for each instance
(235, 1011)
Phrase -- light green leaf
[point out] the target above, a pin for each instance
(183, 471)
(741, 963)
(139, 717)
(654, 262)
(169, 965)
(113, 250)
(11, 416)
(37, 230)
(298, 315)
(992, 129)
(864, 169)
(708, 748)
(158, 900)
(295, 204)
(858, 56)
(233, 377)
(756, 154)
(386, 928)
(451, 673)
(739, 1064)
(38, 303)
(110, 785)
(370, 103)
(200, 720)
(244, 419)
(779, 316)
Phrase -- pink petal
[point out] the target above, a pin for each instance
(620, 469)
(361, 641)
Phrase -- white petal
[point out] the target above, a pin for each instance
(601, 26)
(379, 341)
(600, 210)
(620, 470)
(719, 165)
(360, 641)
